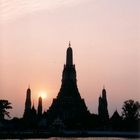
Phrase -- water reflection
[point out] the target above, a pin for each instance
(90, 138)
(95, 138)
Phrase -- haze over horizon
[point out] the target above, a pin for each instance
(105, 37)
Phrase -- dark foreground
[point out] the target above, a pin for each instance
(44, 134)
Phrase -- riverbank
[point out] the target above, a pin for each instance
(46, 134)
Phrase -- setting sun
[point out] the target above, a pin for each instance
(43, 94)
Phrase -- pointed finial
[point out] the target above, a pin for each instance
(40, 98)
(69, 55)
(28, 89)
(29, 86)
(69, 44)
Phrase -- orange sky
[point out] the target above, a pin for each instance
(105, 37)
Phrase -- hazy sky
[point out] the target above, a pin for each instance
(105, 37)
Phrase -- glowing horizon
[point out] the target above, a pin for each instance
(43, 94)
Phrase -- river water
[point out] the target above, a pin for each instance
(89, 138)
(95, 138)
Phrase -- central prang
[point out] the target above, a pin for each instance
(68, 107)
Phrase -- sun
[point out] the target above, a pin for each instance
(43, 94)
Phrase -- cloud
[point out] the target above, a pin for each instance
(11, 9)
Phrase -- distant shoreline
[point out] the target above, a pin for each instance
(46, 134)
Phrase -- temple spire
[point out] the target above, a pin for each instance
(69, 57)
(104, 92)
(40, 106)
(27, 111)
(69, 44)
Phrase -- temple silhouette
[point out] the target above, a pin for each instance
(68, 105)
(27, 111)
(103, 107)
(30, 113)
(68, 108)
(68, 113)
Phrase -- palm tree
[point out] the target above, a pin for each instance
(4, 105)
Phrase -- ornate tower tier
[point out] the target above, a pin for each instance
(68, 105)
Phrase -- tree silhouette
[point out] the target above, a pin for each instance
(131, 110)
(4, 105)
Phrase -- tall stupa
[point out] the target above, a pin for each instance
(68, 105)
